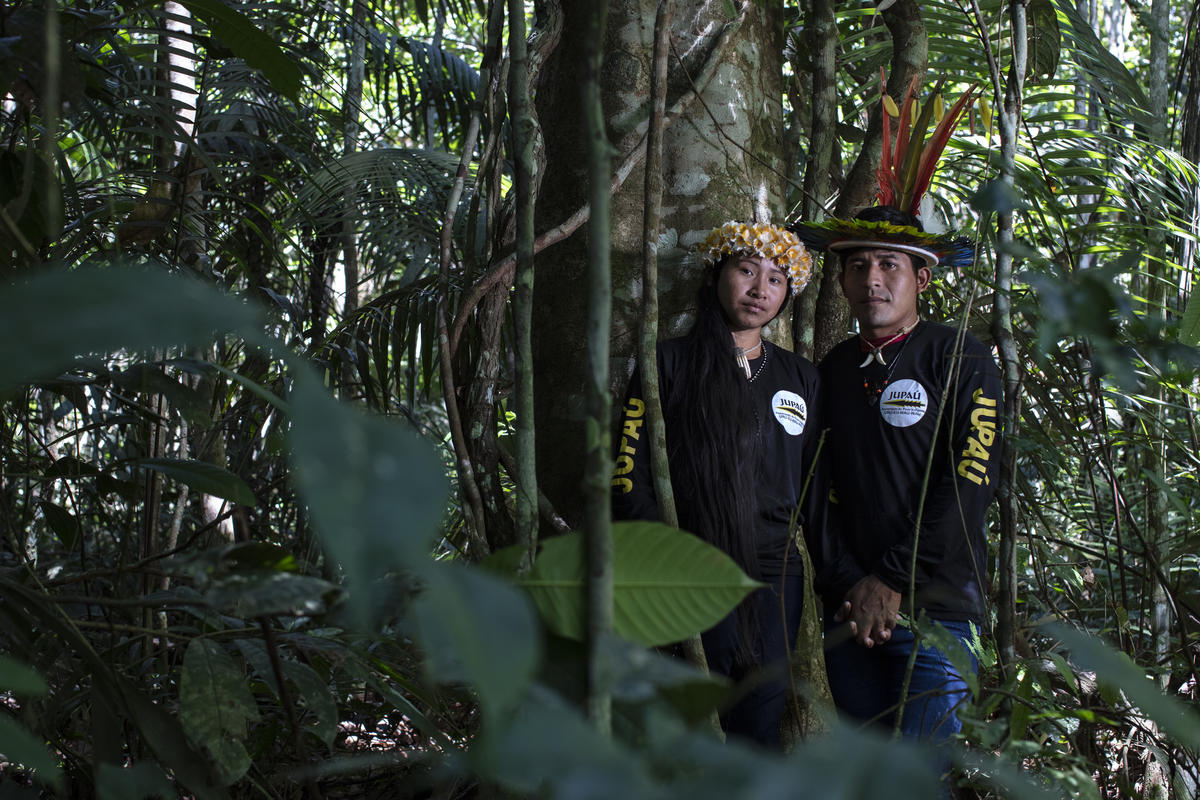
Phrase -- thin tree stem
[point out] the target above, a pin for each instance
(598, 465)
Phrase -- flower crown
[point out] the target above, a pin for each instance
(765, 240)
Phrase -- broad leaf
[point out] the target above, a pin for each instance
(86, 311)
(23, 748)
(668, 585)
(1114, 669)
(239, 33)
(375, 489)
(258, 594)
(322, 717)
(20, 679)
(204, 477)
(140, 781)
(215, 706)
(477, 629)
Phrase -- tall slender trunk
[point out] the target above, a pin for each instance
(820, 30)
(523, 127)
(910, 52)
(598, 464)
(351, 111)
(1008, 94)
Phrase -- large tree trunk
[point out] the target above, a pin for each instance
(721, 161)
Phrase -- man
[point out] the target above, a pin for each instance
(913, 409)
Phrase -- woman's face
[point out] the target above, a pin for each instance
(751, 290)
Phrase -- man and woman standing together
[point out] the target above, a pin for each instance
(894, 518)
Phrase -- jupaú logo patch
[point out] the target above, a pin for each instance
(903, 403)
(790, 411)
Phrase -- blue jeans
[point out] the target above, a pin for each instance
(758, 712)
(866, 683)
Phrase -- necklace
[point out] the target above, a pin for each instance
(740, 355)
(876, 353)
(873, 389)
(762, 363)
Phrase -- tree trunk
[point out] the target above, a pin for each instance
(720, 162)
(910, 51)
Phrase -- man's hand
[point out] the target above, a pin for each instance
(872, 608)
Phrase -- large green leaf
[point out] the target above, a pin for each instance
(1115, 669)
(215, 706)
(239, 33)
(322, 717)
(19, 746)
(85, 311)
(204, 477)
(478, 629)
(20, 679)
(1189, 326)
(258, 594)
(141, 780)
(375, 489)
(668, 585)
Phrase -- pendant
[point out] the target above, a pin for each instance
(742, 361)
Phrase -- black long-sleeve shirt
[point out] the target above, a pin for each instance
(784, 392)
(885, 430)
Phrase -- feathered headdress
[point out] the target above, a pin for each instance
(761, 239)
(904, 174)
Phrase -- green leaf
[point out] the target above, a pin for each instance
(20, 679)
(997, 196)
(668, 585)
(22, 747)
(267, 594)
(322, 717)
(547, 746)
(1045, 40)
(1115, 669)
(215, 707)
(140, 781)
(62, 522)
(239, 33)
(86, 310)
(478, 629)
(375, 489)
(1189, 326)
(204, 477)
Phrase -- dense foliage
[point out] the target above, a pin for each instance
(233, 560)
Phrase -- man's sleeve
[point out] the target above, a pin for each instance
(632, 485)
(957, 500)
(835, 568)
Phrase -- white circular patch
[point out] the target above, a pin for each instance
(790, 411)
(903, 403)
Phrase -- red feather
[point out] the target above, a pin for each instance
(934, 147)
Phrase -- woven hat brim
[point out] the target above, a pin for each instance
(931, 259)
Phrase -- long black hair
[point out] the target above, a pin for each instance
(713, 445)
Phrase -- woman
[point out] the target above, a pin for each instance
(740, 439)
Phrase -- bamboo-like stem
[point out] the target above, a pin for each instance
(472, 502)
(351, 111)
(523, 133)
(1002, 332)
(598, 458)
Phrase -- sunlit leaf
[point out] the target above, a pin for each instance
(668, 585)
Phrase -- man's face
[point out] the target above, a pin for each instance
(882, 287)
(751, 290)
